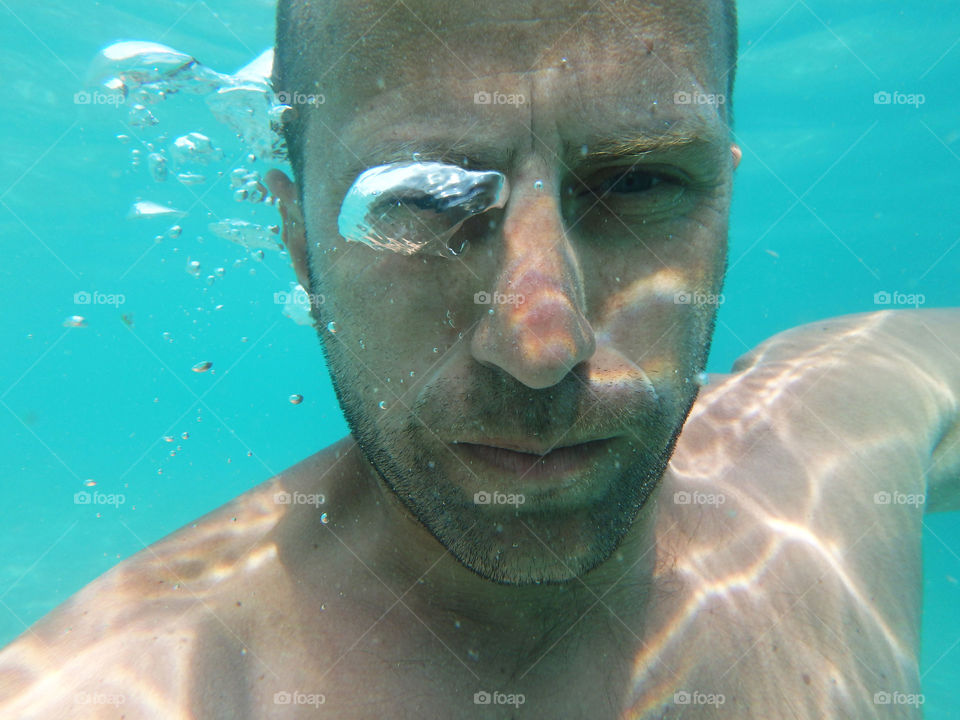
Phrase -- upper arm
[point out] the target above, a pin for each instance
(889, 372)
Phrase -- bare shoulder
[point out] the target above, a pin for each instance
(791, 515)
(151, 618)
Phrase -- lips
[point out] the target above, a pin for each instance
(528, 464)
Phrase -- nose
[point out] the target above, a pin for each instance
(537, 330)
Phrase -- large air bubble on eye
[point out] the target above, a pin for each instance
(417, 206)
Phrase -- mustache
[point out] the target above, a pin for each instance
(493, 403)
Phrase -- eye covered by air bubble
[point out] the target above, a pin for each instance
(412, 206)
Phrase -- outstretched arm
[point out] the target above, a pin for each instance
(892, 370)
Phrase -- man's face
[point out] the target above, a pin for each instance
(602, 270)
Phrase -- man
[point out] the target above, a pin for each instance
(515, 526)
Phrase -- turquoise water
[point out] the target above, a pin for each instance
(838, 198)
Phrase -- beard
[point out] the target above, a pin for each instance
(558, 534)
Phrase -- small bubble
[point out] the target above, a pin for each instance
(703, 379)
(382, 405)
(473, 655)
(219, 272)
(296, 399)
(211, 279)
(436, 350)
(538, 185)
(76, 321)
(185, 436)
(168, 337)
(193, 268)
(123, 138)
(324, 519)
(201, 367)
(90, 483)
(168, 438)
(332, 326)
(584, 149)
(174, 232)
(416, 157)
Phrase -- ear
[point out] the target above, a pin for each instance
(294, 233)
(737, 155)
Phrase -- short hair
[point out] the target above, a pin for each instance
(305, 23)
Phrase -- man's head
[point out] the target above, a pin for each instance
(582, 311)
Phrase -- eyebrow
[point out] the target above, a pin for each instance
(631, 142)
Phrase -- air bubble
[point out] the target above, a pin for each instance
(193, 268)
(538, 185)
(158, 166)
(202, 367)
(76, 321)
(332, 327)
(382, 405)
(174, 232)
(324, 519)
(296, 399)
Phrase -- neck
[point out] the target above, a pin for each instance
(464, 609)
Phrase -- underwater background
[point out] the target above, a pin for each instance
(849, 117)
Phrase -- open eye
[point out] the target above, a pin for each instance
(632, 180)
(638, 191)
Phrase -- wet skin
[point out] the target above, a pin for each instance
(798, 595)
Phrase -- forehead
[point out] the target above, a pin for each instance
(362, 47)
